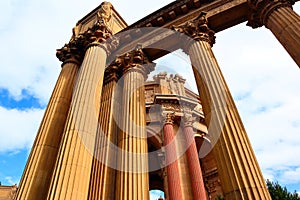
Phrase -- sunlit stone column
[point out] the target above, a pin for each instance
(105, 157)
(173, 177)
(72, 171)
(132, 177)
(239, 172)
(193, 158)
(38, 171)
(279, 17)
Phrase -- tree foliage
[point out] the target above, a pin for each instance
(278, 192)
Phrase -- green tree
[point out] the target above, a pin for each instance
(278, 192)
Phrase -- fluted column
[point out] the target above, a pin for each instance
(132, 177)
(279, 17)
(38, 171)
(173, 177)
(239, 172)
(71, 176)
(103, 173)
(193, 159)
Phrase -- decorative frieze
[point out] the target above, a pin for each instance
(260, 10)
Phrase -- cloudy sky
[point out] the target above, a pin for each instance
(263, 79)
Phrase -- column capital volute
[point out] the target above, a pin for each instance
(137, 61)
(197, 29)
(168, 118)
(260, 10)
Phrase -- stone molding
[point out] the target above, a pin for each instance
(197, 29)
(260, 10)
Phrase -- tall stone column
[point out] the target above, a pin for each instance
(173, 177)
(38, 171)
(193, 158)
(132, 177)
(279, 17)
(239, 172)
(71, 176)
(105, 158)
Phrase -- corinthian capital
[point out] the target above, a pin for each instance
(197, 29)
(113, 71)
(71, 52)
(168, 118)
(188, 118)
(137, 60)
(260, 10)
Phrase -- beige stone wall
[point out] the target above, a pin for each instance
(7, 192)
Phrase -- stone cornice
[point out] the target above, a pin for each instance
(260, 10)
(197, 29)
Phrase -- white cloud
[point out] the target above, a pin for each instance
(11, 180)
(18, 128)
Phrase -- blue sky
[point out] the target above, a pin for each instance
(262, 77)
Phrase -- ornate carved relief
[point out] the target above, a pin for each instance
(104, 13)
(136, 60)
(70, 53)
(188, 118)
(168, 117)
(260, 10)
(198, 29)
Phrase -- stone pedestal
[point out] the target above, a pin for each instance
(38, 171)
(279, 17)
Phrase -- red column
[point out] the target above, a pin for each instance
(194, 164)
(172, 168)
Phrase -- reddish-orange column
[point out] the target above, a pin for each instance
(172, 167)
(194, 165)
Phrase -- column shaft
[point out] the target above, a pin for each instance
(239, 172)
(173, 177)
(38, 171)
(102, 175)
(194, 165)
(72, 171)
(132, 177)
(285, 25)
